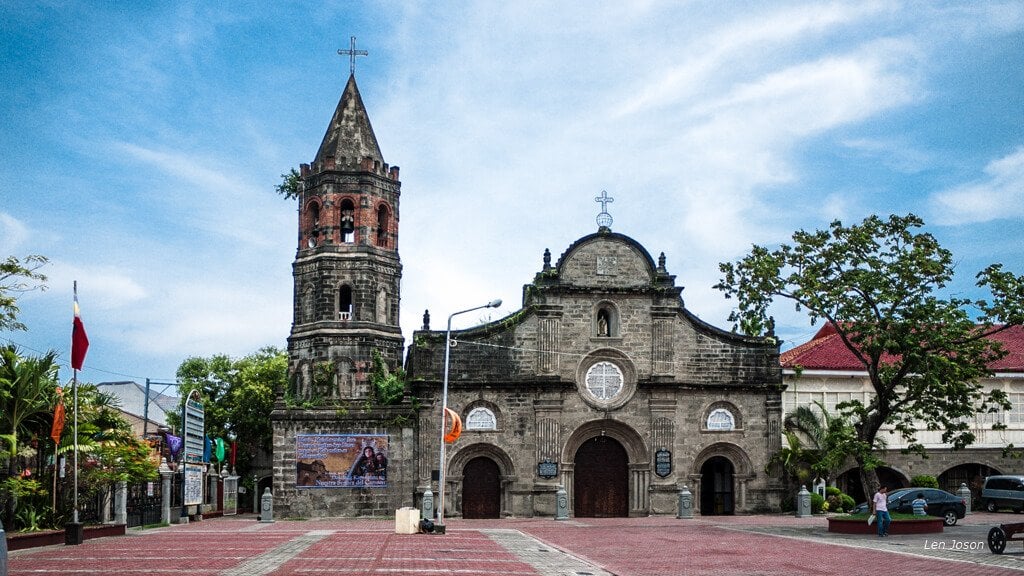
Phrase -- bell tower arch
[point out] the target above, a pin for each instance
(347, 271)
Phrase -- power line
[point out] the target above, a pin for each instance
(66, 364)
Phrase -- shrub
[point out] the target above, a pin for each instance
(924, 481)
(832, 491)
(816, 503)
(848, 502)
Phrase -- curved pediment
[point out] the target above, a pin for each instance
(606, 259)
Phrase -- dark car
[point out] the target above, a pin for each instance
(949, 507)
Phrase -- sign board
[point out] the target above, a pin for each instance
(547, 469)
(195, 430)
(662, 463)
(341, 460)
(193, 490)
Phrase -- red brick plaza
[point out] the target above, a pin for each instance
(723, 546)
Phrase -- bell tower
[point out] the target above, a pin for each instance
(347, 271)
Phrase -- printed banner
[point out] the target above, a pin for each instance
(341, 460)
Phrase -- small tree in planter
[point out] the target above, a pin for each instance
(924, 481)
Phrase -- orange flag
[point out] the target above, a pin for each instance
(58, 417)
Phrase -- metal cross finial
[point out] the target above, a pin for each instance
(352, 53)
(604, 219)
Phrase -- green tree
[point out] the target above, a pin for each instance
(290, 186)
(879, 285)
(388, 387)
(237, 396)
(108, 448)
(28, 387)
(18, 277)
(27, 395)
(830, 439)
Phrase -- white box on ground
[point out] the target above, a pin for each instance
(407, 520)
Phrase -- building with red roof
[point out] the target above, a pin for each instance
(824, 370)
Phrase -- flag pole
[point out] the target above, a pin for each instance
(74, 388)
(56, 447)
(79, 346)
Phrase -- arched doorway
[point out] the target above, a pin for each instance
(973, 475)
(601, 479)
(716, 487)
(849, 482)
(481, 489)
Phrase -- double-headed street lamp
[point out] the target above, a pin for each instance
(444, 407)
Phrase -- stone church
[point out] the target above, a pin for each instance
(602, 382)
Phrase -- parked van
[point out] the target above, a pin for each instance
(1003, 492)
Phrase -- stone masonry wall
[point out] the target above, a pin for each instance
(293, 502)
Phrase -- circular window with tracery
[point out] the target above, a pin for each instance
(604, 380)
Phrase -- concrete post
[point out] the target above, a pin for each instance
(165, 491)
(106, 496)
(803, 503)
(267, 506)
(121, 503)
(428, 505)
(561, 504)
(685, 503)
(965, 493)
(3, 551)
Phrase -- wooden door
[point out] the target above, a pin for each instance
(601, 479)
(481, 489)
(716, 490)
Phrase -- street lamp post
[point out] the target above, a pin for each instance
(444, 407)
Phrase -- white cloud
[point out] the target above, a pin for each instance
(100, 288)
(219, 200)
(736, 44)
(199, 318)
(999, 195)
(13, 235)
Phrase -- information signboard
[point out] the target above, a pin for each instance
(193, 493)
(195, 430)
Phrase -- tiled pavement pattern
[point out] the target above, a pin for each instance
(743, 545)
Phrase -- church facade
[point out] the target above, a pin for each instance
(601, 382)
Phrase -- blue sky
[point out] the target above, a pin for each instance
(142, 143)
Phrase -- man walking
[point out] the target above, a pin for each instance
(880, 508)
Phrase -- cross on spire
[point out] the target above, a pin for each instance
(352, 53)
(604, 199)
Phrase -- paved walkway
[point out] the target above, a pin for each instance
(724, 546)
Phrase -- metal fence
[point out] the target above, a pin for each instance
(144, 502)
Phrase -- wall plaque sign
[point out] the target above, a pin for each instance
(662, 463)
(547, 469)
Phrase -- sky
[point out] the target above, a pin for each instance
(142, 141)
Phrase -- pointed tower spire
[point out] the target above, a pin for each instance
(349, 140)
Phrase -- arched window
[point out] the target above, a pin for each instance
(348, 221)
(345, 302)
(481, 418)
(313, 230)
(721, 419)
(382, 226)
